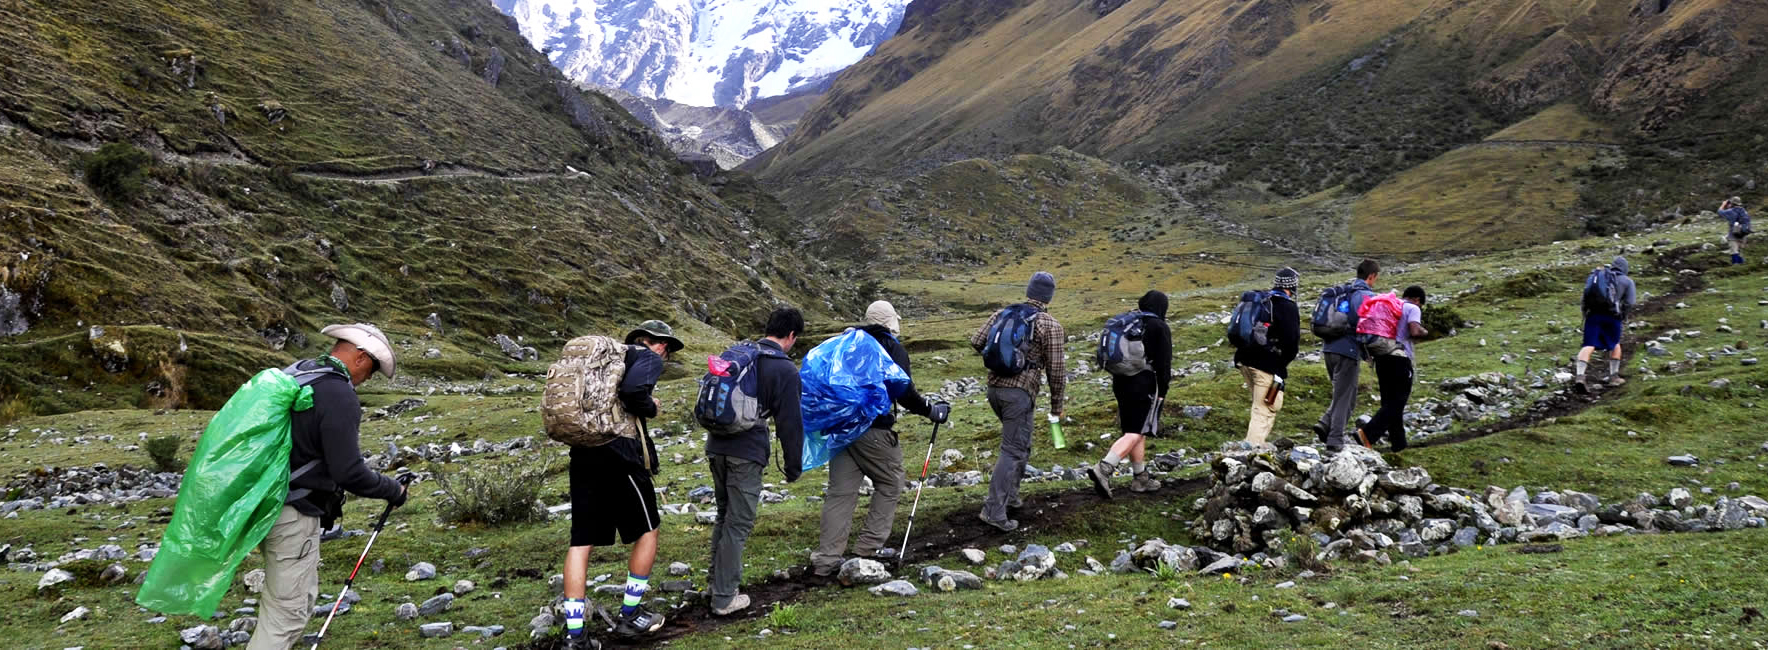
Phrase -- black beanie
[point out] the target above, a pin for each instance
(1153, 302)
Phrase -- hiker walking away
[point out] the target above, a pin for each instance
(1266, 367)
(1609, 295)
(1335, 322)
(1140, 394)
(1738, 226)
(737, 460)
(874, 455)
(1016, 343)
(325, 461)
(1394, 371)
(612, 491)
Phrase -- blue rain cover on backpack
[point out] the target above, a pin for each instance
(847, 382)
(1006, 351)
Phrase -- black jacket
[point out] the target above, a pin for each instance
(643, 369)
(910, 399)
(780, 393)
(1157, 343)
(329, 432)
(1284, 334)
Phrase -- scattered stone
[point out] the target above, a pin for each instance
(405, 611)
(421, 571)
(436, 605)
(1035, 562)
(1294, 618)
(77, 614)
(679, 569)
(52, 578)
(436, 630)
(1683, 460)
(1178, 603)
(202, 637)
(862, 571)
(902, 588)
(1168, 625)
(974, 556)
(1288, 584)
(1469, 613)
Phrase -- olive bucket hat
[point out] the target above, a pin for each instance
(657, 330)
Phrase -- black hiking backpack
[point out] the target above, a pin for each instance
(1250, 325)
(1006, 350)
(1121, 351)
(730, 392)
(1334, 318)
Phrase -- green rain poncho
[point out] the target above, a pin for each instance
(231, 495)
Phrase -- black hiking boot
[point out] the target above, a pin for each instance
(639, 622)
(1320, 433)
(1101, 479)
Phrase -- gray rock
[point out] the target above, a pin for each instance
(1197, 412)
(463, 587)
(1344, 473)
(1680, 498)
(1543, 512)
(902, 588)
(1122, 563)
(1411, 479)
(1465, 537)
(1178, 603)
(405, 611)
(974, 556)
(53, 577)
(1223, 565)
(1064, 547)
(862, 571)
(1294, 618)
(1581, 501)
(1168, 625)
(679, 569)
(202, 637)
(540, 623)
(1468, 613)
(1431, 531)
(706, 518)
(436, 605)
(325, 609)
(1034, 562)
(76, 614)
(483, 631)
(421, 571)
(1287, 584)
(436, 630)
(1684, 460)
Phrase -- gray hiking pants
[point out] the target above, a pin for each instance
(1014, 407)
(736, 483)
(874, 455)
(1344, 372)
(291, 580)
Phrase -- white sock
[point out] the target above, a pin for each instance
(1112, 459)
(1139, 468)
(1614, 367)
(1581, 366)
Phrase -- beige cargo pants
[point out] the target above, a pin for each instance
(1258, 427)
(291, 581)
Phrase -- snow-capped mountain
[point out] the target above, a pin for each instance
(705, 52)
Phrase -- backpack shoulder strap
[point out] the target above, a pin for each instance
(300, 493)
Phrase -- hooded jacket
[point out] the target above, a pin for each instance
(1157, 339)
(1624, 286)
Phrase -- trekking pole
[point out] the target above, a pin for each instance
(404, 480)
(918, 486)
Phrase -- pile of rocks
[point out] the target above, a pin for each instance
(1356, 506)
(436, 452)
(66, 487)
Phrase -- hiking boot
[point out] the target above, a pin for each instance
(738, 603)
(1101, 479)
(1333, 449)
(1006, 525)
(1320, 432)
(1580, 387)
(1616, 381)
(1399, 445)
(825, 571)
(1016, 502)
(1144, 483)
(638, 622)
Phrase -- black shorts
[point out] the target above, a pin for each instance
(609, 494)
(1135, 399)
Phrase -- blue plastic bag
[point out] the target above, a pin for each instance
(848, 381)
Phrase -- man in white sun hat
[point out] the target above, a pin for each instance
(324, 462)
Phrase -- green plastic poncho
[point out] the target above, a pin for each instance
(231, 495)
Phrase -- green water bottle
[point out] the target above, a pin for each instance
(1056, 432)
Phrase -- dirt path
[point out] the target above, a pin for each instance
(1572, 403)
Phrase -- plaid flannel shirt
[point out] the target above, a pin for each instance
(1047, 339)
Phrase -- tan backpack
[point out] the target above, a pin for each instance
(581, 405)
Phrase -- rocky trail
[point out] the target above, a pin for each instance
(1568, 402)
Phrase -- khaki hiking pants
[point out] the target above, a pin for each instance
(874, 455)
(291, 580)
(1258, 427)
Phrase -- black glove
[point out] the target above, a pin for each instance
(399, 499)
(404, 481)
(940, 412)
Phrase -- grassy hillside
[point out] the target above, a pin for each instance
(245, 172)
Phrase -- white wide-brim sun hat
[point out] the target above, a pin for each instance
(370, 339)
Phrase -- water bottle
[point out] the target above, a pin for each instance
(1056, 432)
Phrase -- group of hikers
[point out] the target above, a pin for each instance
(601, 392)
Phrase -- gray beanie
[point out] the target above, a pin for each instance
(1287, 278)
(1042, 287)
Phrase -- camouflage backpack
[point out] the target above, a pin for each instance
(581, 405)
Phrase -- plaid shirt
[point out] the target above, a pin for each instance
(1047, 339)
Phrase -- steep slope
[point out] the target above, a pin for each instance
(705, 52)
(315, 163)
(1285, 98)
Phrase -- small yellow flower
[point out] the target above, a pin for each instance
(1227, 576)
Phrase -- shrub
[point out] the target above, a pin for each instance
(1440, 320)
(1301, 550)
(493, 496)
(164, 452)
(784, 617)
(116, 171)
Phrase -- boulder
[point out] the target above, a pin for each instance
(861, 571)
(900, 588)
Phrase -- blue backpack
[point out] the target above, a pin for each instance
(1006, 350)
(1250, 326)
(729, 402)
(1334, 318)
(1120, 346)
(1602, 295)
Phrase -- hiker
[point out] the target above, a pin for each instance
(1139, 397)
(1738, 226)
(737, 460)
(612, 491)
(1609, 295)
(1335, 321)
(1394, 371)
(1016, 343)
(1266, 367)
(874, 455)
(326, 436)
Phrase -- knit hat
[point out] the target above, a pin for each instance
(1287, 278)
(883, 313)
(1153, 302)
(370, 339)
(1620, 264)
(1042, 287)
